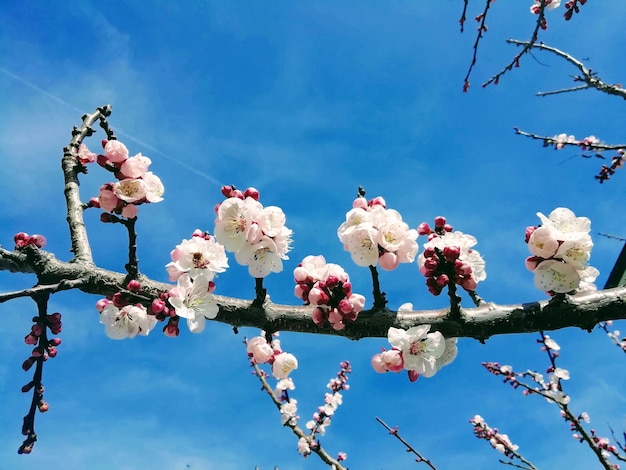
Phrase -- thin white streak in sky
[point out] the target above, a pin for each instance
(117, 130)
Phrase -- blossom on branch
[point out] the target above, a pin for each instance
(256, 234)
(199, 255)
(375, 235)
(561, 248)
(126, 322)
(193, 300)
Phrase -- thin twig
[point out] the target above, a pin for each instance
(409, 447)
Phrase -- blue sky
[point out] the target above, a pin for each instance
(305, 101)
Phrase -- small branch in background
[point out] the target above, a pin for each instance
(463, 14)
(614, 335)
(409, 448)
(552, 390)
(478, 300)
(587, 76)
(44, 349)
(501, 443)
(482, 28)
(317, 449)
(541, 24)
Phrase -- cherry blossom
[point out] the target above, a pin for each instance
(259, 350)
(126, 322)
(420, 349)
(375, 235)
(193, 301)
(256, 234)
(199, 255)
(561, 247)
(284, 364)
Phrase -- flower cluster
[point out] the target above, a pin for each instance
(44, 349)
(195, 263)
(375, 235)
(617, 162)
(327, 286)
(136, 184)
(323, 415)
(256, 234)
(23, 239)
(262, 352)
(561, 248)
(500, 442)
(415, 350)
(614, 335)
(448, 257)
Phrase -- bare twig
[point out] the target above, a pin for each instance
(409, 448)
(515, 62)
(482, 28)
(323, 455)
(586, 76)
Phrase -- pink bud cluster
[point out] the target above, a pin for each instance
(256, 234)
(136, 185)
(448, 258)
(327, 287)
(373, 235)
(23, 239)
(572, 7)
(44, 349)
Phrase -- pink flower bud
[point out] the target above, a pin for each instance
(451, 253)
(300, 274)
(36, 329)
(377, 201)
(388, 261)
(227, 190)
(318, 296)
(237, 193)
(378, 364)
(319, 316)
(393, 360)
(30, 339)
(211, 287)
(21, 239)
(424, 229)
(43, 406)
(335, 316)
(429, 252)
(115, 151)
(252, 192)
(101, 304)
(157, 306)
(347, 288)
(130, 211)
(37, 352)
(529, 232)
(345, 306)
(440, 221)
(413, 375)
(120, 300)
(301, 291)
(448, 228)
(54, 342)
(52, 351)
(134, 285)
(37, 240)
(532, 262)
(443, 280)
(171, 330)
(359, 202)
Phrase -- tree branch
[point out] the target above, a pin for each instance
(71, 168)
(547, 141)
(582, 311)
(586, 75)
